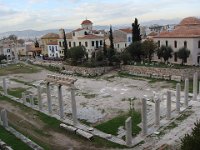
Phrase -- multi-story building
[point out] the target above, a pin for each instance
(122, 38)
(54, 51)
(46, 39)
(186, 34)
(85, 36)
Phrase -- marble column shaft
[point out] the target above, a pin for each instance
(144, 116)
(195, 84)
(157, 111)
(5, 88)
(128, 126)
(39, 97)
(60, 99)
(49, 98)
(178, 97)
(24, 98)
(168, 113)
(186, 90)
(4, 118)
(73, 103)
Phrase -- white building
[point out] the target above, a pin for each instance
(53, 50)
(186, 34)
(84, 36)
(122, 38)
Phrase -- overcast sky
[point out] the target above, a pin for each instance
(51, 14)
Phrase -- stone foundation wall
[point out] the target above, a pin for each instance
(168, 73)
(84, 71)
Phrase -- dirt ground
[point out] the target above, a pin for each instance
(28, 123)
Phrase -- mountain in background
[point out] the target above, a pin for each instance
(32, 34)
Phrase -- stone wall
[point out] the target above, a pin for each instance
(168, 73)
(67, 69)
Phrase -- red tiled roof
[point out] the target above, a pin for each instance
(85, 22)
(127, 30)
(50, 36)
(91, 36)
(188, 28)
(53, 43)
(152, 34)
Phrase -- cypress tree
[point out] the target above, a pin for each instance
(111, 38)
(65, 45)
(136, 31)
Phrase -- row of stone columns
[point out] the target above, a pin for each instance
(60, 100)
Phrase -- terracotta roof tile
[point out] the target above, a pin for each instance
(50, 36)
(86, 22)
(127, 30)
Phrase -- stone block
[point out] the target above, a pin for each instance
(176, 78)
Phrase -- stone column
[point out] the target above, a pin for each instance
(168, 114)
(39, 97)
(195, 82)
(178, 97)
(128, 126)
(199, 88)
(49, 98)
(4, 118)
(31, 100)
(186, 92)
(144, 116)
(24, 98)
(60, 98)
(157, 111)
(73, 102)
(5, 88)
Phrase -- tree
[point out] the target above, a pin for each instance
(159, 54)
(135, 50)
(149, 48)
(125, 57)
(183, 54)
(77, 53)
(65, 44)
(110, 53)
(166, 52)
(192, 141)
(136, 31)
(111, 38)
(2, 57)
(104, 48)
(12, 37)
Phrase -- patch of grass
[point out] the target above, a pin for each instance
(18, 68)
(12, 141)
(17, 92)
(23, 82)
(112, 125)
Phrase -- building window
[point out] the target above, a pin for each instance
(50, 48)
(175, 57)
(60, 44)
(199, 44)
(166, 43)
(74, 44)
(125, 45)
(92, 43)
(158, 43)
(8, 50)
(129, 39)
(86, 44)
(70, 44)
(73, 33)
(101, 43)
(79, 43)
(185, 44)
(56, 48)
(175, 44)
